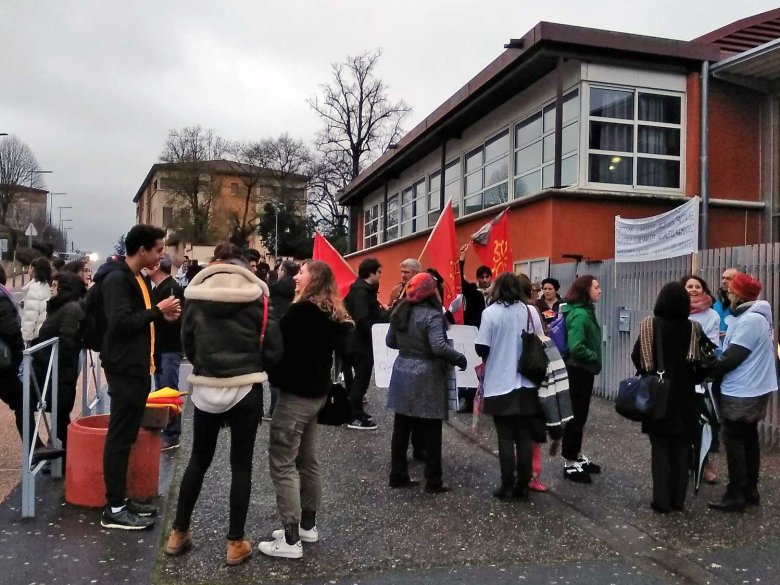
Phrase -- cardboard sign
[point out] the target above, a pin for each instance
(462, 336)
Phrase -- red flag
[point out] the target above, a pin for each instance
(343, 272)
(491, 243)
(441, 252)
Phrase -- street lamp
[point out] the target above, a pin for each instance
(51, 202)
(37, 172)
(61, 207)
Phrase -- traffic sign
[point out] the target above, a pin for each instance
(31, 231)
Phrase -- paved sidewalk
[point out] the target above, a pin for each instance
(589, 534)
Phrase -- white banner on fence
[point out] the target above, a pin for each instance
(670, 234)
(463, 337)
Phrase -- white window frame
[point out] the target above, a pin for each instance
(636, 123)
(372, 215)
(546, 134)
(415, 209)
(391, 228)
(481, 170)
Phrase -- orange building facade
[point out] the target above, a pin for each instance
(570, 127)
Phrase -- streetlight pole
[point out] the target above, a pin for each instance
(51, 202)
(276, 232)
(37, 172)
(61, 207)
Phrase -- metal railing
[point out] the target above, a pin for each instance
(50, 385)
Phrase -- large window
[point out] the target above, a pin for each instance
(487, 170)
(414, 215)
(534, 163)
(451, 190)
(371, 226)
(634, 138)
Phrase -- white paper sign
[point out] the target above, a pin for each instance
(670, 234)
(463, 336)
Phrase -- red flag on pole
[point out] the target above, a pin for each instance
(441, 252)
(343, 272)
(491, 243)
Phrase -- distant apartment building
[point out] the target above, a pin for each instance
(29, 205)
(160, 200)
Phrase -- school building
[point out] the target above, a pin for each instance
(571, 126)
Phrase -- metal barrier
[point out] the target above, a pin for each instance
(91, 379)
(29, 381)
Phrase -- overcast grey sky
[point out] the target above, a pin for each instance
(93, 86)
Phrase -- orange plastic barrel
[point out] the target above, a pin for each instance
(84, 485)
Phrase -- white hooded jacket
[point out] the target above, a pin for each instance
(37, 294)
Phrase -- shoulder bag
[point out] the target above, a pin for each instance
(533, 361)
(645, 397)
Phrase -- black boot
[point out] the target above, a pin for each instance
(729, 503)
(752, 497)
(520, 491)
(504, 491)
(291, 535)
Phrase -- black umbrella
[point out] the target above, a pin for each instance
(703, 440)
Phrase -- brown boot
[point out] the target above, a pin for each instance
(178, 542)
(238, 551)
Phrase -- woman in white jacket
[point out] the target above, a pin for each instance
(37, 294)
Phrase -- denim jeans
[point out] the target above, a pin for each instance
(167, 376)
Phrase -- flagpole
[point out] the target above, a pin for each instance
(433, 231)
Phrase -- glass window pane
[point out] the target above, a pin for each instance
(654, 140)
(392, 210)
(392, 233)
(474, 183)
(549, 118)
(655, 172)
(496, 195)
(452, 172)
(474, 203)
(528, 130)
(571, 138)
(569, 170)
(406, 229)
(456, 207)
(406, 197)
(474, 160)
(571, 106)
(452, 191)
(528, 184)
(605, 168)
(548, 176)
(611, 103)
(497, 146)
(528, 158)
(433, 216)
(659, 108)
(434, 201)
(609, 136)
(549, 148)
(496, 171)
(406, 213)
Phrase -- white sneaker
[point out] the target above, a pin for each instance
(280, 548)
(306, 535)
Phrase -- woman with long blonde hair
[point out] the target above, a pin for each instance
(313, 326)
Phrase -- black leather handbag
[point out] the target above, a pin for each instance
(533, 361)
(645, 397)
(336, 411)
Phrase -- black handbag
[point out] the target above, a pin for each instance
(533, 362)
(336, 411)
(645, 397)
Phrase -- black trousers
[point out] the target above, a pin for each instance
(670, 462)
(243, 420)
(743, 455)
(580, 390)
(430, 431)
(514, 448)
(357, 378)
(128, 402)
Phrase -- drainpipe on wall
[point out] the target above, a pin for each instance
(704, 212)
(442, 194)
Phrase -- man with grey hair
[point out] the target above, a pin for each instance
(409, 268)
(167, 343)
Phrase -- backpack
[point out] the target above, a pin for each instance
(557, 332)
(94, 325)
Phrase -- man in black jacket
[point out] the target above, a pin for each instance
(282, 295)
(474, 294)
(365, 310)
(167, 344)
(127, 355)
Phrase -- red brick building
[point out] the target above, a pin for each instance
(571, 126)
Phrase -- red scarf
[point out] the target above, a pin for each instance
(700, 303)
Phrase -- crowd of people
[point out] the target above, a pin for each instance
(244, 326)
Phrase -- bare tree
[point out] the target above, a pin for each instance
(17, 166)
(360, 122)
(279, 166)
(191, 151)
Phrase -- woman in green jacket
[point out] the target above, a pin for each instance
(583, 362)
